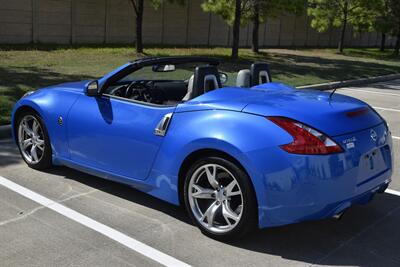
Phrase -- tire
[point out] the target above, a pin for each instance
(215, 206)
(30, 126)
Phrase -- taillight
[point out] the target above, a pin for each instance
(306, 140)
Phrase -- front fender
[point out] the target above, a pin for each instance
(246, 137)
(50, 104)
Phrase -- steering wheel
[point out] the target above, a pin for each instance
(119, 91)
(140, 91)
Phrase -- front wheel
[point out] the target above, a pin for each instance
(220, 199)
(33, 141)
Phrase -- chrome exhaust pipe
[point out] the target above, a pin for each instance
(338, 216)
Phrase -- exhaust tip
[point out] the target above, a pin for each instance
(339, 215)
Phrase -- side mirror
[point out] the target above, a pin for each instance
(92, 89)
(223, 77)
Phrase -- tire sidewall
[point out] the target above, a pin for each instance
(248, 218)
(46, 160)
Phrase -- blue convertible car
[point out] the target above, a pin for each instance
(255, 154)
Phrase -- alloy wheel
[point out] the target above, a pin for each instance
(215, 198)
(31, 139)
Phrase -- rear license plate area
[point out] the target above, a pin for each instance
(372, 164)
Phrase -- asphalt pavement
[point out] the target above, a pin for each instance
(63, 217)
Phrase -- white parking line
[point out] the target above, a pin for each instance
(396, 137)
(105, 230)
(371, 92)
(387, 109)
(392, 192)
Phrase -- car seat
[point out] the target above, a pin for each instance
(205, 79)
(260, 74)
(243, 78)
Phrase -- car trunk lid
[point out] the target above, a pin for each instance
(336, 115)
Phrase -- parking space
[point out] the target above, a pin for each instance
(34, 235)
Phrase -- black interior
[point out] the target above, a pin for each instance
(161, 92)
(206, 77)
(166, 92)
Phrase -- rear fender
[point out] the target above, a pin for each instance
(245, 137)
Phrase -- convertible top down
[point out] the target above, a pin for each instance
(257, 153)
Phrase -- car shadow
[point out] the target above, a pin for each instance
(367, 235)
(9, 154)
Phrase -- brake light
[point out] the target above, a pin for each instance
(306, 140)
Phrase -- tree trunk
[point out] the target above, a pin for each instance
(397, 46)
(383, 41)
(344, 25)
(256, 26)
(236, 30)
(139, 27)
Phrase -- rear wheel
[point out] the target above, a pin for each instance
(219, 198)
(33, 140)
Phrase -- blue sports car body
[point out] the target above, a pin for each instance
(151, 145)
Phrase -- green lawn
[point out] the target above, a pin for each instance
(24, 68)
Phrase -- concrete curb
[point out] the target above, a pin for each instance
(5, 131)
(339, 84)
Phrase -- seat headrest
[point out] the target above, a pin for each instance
(243, 78)
(190, 89)
(260, 74)
(206, 78)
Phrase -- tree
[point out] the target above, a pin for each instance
(138, 8)
(230, 11)
(394, 17)
(381, 22)
(340, 13)
(387, 21)
(261, 10)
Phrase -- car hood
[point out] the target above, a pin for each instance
(70, 86)
(334, 115)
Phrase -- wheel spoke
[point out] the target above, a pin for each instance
(26, 128)
(212, 175)
(34, 153)
(26, 143)
(39, 141)
(35, 127)
(202, 192)
(41, 147)
(230, 188)
(210, 213)
(228, 213)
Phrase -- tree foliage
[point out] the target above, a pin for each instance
(340, 13)
(262, 10)
(231, 11)
(271, 9)
(267, 8)
(255, 11)
(387, 20)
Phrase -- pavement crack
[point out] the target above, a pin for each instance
(25, 215)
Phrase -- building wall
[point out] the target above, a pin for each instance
(113, 21)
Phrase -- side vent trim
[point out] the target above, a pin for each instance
(162, 126)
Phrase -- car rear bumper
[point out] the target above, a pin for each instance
(316, 206)
(295, 188)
